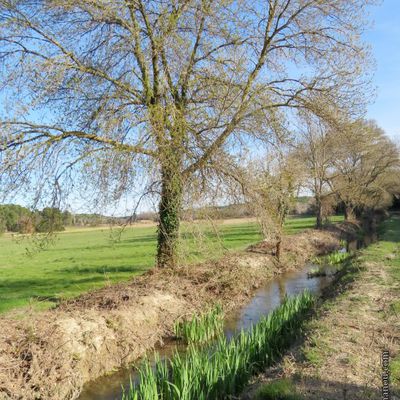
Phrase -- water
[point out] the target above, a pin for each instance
(263, 302)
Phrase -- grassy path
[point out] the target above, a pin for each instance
(341, 357)
(82, 260)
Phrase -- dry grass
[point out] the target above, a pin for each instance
(50, 355)
(341, 356)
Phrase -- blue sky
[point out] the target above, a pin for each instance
(384, 38)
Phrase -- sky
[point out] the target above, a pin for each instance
(384, 38)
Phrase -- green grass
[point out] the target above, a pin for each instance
(315, 272)
(281, 389)
(202, 328)
(387, 250)
(395, 372)
(337, 258)
(82, 260)
(224, 368)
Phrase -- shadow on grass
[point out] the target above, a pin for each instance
(286, 389)
(306, 388)
(104, 269)
(70, 282)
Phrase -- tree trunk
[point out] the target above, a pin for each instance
(169, 212)
(278, 249)
(318, 212)
(349, 214)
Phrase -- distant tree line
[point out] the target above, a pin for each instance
(15, 218)
(19, 219)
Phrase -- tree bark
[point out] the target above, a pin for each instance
(349, 214)
(169, 212)
(278, 249)
(318, 212)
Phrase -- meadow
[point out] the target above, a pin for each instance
(77, 261)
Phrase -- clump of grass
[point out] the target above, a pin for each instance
(395, 372)
(337, 257)
(224, 368)
(281, 389)
(201, 329)
(316, 272)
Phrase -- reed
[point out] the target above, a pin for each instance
(337, 257)
(201, 329)
(225, 367)
(317, 272)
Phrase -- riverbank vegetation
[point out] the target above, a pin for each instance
(201, 328)
(344, 341)
(88, 336)
(223, 369)
(176, 110)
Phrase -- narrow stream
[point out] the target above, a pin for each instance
(264, 301)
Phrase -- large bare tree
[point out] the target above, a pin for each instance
(115, 90)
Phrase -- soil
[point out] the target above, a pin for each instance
(50, 355)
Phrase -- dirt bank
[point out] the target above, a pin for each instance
(50, 355)
(341, 356)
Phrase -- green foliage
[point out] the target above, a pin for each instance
(334, 258)
(50, 219)
(15, 218)
(394, 367)
(224, 368)
(315, 272)
(281, 389)
(201, 328)
(3, 226)
(337, 257)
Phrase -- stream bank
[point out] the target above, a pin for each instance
(51, 355)
(341, 355)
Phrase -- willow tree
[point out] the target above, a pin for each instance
(124, 86)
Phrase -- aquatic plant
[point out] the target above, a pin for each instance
(337, 257)
(201, 329)
(316, 272)
(225, 367)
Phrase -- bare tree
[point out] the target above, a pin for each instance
(270, 186)
(111, 92)
(315, 152)
(366, 167)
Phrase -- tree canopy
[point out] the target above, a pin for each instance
(112, 95)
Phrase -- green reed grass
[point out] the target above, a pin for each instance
(337, 257)
(225, 367)
(316, 272)
(201, 329)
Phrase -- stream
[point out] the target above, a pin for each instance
(265, 299)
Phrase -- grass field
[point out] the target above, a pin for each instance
(81, 260)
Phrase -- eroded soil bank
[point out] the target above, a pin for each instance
(50, 355)
(341, 356)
